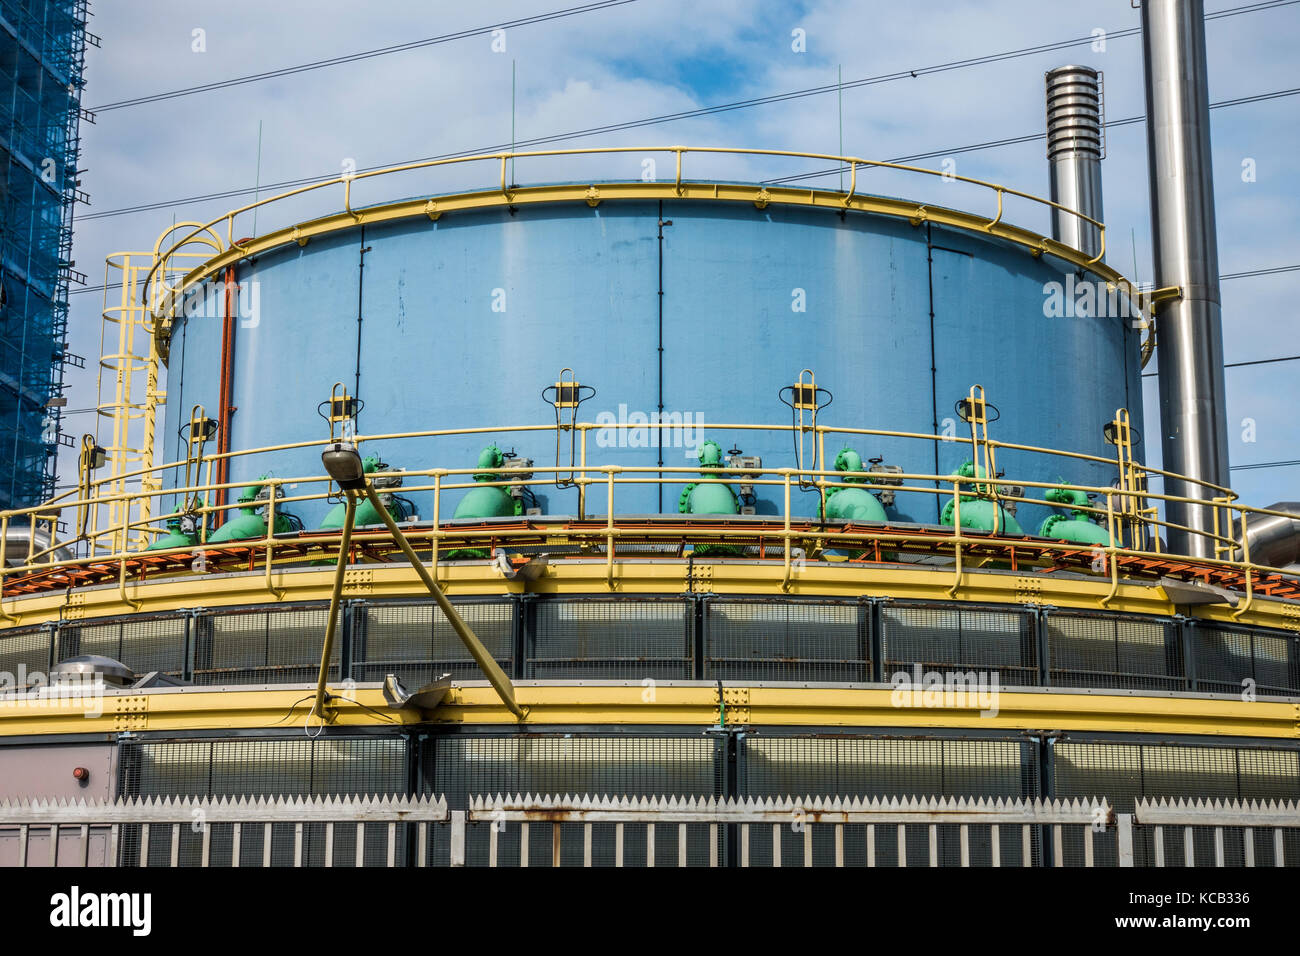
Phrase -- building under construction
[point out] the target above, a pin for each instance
(42, 55)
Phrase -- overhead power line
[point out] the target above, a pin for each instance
(1014, 140)
(364, 55)
(1263, 464)
(544, 140)
(727, 107)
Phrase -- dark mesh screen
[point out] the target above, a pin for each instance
(943, 638)
(416, 642)
(787, 640)
(458, 766)
(264, 767)
(1124, 772)
(1228, 657)
(1114, 651)
(25, 650)
(262, 647)
(143, 645)
(871, 767)
(628, 638)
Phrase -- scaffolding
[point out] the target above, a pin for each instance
(42, 59)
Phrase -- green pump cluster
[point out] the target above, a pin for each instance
(855, 503)
(977, 513)
(714, 498)
(399, 508)
(251, 520)
(490, 501)
(182, 531)
(1079, 527)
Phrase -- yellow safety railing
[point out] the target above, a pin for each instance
(118, 518)
(507, 191)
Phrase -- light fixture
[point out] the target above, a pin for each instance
(342, 462)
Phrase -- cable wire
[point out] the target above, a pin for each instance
(365, 55)
(727, 107)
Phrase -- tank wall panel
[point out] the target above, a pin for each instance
(465, 320)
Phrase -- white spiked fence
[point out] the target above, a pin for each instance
(67, 830)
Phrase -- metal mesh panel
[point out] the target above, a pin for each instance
(1228, 657)
(416, 642)
(786, 640)
(560, 764)
(941, 638)
(264, 767)
(143, 645)
(622, 638)
(262, 647)
(1114, 651)
(26, 651)
(1124, 772)
(869, 767)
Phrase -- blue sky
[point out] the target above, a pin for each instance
(652, 57)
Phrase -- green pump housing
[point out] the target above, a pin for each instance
(1079, 527)
(366, 513)
(489, 501)
(250, 522)
(712, 498)
(492, 501)
(175, 536)
(979, 514)
(852, 504)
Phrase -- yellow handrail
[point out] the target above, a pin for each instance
(165, 302)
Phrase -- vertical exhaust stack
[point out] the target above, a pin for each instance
(1194, 431)
(1074, 152)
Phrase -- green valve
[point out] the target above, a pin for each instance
(977, 513)
(852, 504)
(1079, 527)
(174, 538)
(713, 498)
(366, 513)
(490, 501)
(250, 522)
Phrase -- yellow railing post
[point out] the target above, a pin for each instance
(609, 526)
(957, 535)
(1245, 558)
(436, 534)
(4, 565)
(583, 479)
(785, 475)
(1112, 564)
(274, 485)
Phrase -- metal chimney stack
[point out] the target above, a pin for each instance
(1075, 146)
(1194, 435)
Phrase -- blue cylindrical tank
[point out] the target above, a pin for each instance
(461, 322)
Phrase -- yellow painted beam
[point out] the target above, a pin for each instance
(191, 709)
(568, 704)
(814, 579)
